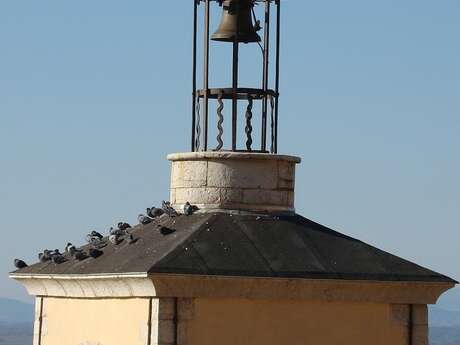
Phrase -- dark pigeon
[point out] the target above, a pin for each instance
(154, 212)
(77, 254)
(123, 226)
(68, 247)
(58, 259)
(96, 234)
(45, 256)
(168, 209)
(95, 253)
(143, 219)
(189, 209)
(19, 264)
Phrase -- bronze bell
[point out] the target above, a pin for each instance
(237, 22)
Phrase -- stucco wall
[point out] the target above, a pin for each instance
(244, 322)
(94, 321)
(203, 321)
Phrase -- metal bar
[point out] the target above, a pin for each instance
(195, 25)
(220, 128)
(277, 73)
(206, 74)
(265, 75)
(235, 95)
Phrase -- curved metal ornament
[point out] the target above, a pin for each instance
(220, 122)
(272, 106)
(248, 128)
(198, 128)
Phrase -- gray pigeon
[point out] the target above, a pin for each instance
(189, 209)
(123, 226)
(154, 212)
(168, 209)
(77, 254)
(45, 256)
(19, 264)
(143, 219)
(58, 259)
(114, 239)
(95, 241)
(116, 232)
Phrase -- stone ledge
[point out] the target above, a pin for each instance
(190, 156)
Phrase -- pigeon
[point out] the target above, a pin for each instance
(68, 247)
(168, 209)
(58, 259)
(95, 241)
(96, 234)
(45, 256)
(123, 226)
(189, 209)
(77, 254)
(154, 212)
(54, 253)
(115, 239)
(95, 253)
(19, 264)
(144, 219)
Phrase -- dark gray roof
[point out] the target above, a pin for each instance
(288, 246)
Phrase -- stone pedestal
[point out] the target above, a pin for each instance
(233, 181)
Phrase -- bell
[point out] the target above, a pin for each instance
(237, 22)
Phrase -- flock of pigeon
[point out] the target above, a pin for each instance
(97, 242)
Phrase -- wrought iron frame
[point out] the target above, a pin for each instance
(265, 94)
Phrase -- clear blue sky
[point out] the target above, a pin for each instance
(94, 94)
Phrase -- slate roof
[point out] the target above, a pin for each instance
(288, 246)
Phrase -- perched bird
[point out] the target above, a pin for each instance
(19, 264)
(168, 209)
(154, 212)
(58, 259)
(79, 255)
(96, 234)
(189, 209)
(55, 252)
(115, 239)
(95, 253)
(95, 241)
(143, 219)
(45, 256)
(123, 226)
(68, 247)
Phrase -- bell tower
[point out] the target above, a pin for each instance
(239, 25)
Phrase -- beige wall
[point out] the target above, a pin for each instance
(94, 321)
(244, 322)
(206, 321)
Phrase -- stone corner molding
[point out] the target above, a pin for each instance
(87, 286)
(138, 285)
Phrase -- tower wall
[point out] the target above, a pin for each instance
(233, 180)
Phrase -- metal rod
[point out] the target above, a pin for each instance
(265, 74)
(235, 93)
(195, 25)
(277, 73)
(206, 75)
